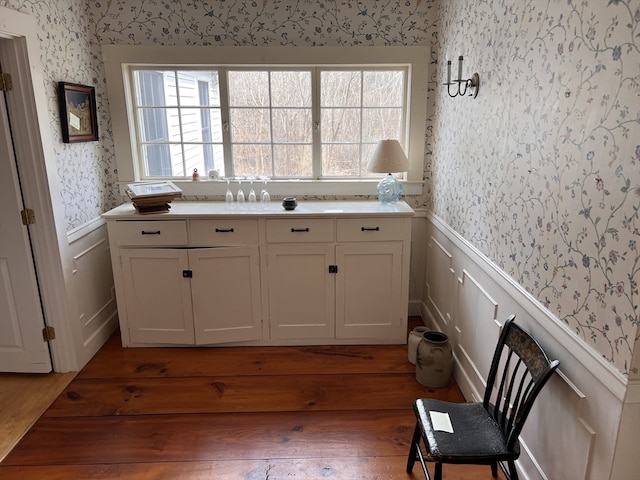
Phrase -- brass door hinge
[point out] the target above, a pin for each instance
(48, 334)
(6, 84)
(28, 216)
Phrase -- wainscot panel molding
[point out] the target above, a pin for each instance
(468, 298)
(93, 285)
(626, 463)
(417, 263)
(440, 290)
(560, 399)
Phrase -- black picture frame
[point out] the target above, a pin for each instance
(77, 112)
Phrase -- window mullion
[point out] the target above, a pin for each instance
(180, 127)
(223, 82)
(405, 113)
(139, 165)
(272, 146)
(316, 128)
(360, 152)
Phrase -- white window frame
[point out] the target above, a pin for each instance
(119, 58)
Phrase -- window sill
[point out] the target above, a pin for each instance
(284, 188)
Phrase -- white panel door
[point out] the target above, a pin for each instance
(157, 295)
(22, 348)
(226, 294)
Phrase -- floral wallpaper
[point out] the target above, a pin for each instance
(541, 172)
(68, 54)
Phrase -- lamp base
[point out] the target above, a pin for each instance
(389, 189)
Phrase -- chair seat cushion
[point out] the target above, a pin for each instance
(476, 436)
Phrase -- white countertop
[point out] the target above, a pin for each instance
(184, 209)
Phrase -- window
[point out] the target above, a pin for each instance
(288, 113)
(269, 115)
(177, 118)
(358, 109)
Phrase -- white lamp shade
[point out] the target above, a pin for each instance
(388, 157)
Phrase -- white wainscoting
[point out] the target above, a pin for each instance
(93, 287)
(626, 465)
(573, 430)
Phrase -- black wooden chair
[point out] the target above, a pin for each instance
(486, 433)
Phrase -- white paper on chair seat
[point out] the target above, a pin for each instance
(441, 422)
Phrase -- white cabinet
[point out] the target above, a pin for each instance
(371, 256)
(206, 274)
(187, 296)
(339, 280)
(177, 285)
(301, 290)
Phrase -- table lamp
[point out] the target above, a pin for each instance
(388, 157)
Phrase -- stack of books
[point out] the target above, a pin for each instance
(152, 197)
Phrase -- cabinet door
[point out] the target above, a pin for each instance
(157, 296)
(301, 291)
(368, 291)
(226, 294)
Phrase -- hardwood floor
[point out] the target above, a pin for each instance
(232, 413)
(23, 398)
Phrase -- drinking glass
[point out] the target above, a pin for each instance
(228, 197)
(240, 195)
(252, 193)
(265, 198)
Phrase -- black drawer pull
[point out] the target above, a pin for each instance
(146, 232)
(297, 230)
(372, 229)
(224, 230)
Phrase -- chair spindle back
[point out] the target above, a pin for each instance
(524, 369)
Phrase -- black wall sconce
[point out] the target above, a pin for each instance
(471, 84)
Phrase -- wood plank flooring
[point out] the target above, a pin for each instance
(340, 412)
(23, 398)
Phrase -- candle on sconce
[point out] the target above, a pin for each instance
(448, 72)
(460, 68)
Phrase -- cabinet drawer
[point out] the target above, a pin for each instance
(300, 230)
(223, 232)
(151, 232)
(371, 229)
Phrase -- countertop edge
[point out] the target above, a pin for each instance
(193, 209)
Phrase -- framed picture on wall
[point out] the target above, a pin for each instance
(77, 112)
